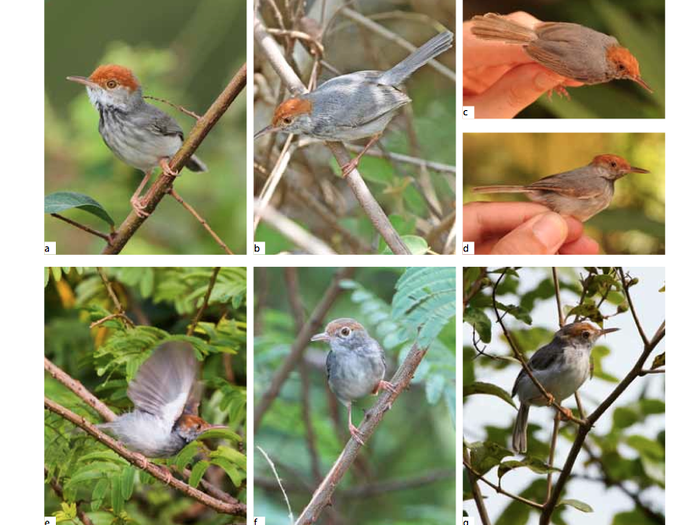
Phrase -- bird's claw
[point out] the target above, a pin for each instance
(137, 203)
(356, 434)
(349, 167)
(167, 169)
(386, 385)
(567, 413)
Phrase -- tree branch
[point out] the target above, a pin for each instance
(205, 302)
(369, 204)
(476, 490)
(161, 187)
(296, 352)
(236, 509)
(175, 195)
(371, 421)
(83, 227)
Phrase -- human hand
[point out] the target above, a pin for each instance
(500, 80)
(523, 228)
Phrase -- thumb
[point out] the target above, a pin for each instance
(541, 235)
(515, 91)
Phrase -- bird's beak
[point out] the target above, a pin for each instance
(641, 82)
(264, 131)
(321, 337)
(219, 427)
(84, 81)
(638, 170)
(608, 330)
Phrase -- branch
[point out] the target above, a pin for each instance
(205, 302)
(201, 221)
(120, 313)
(92, 231)
(395, 485)
(498, 489)
(237, 509)
(373, 417)
(161, 187)
(296, 352)
(58, 489)
(557, 294)
(369, 204)
(476, 490)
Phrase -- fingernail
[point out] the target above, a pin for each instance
(550, 229)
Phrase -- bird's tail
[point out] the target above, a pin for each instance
(495, 27)
(505, 188)
(432, 48)
(520, 430)
(194, 164)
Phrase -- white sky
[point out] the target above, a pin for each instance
(625, 345)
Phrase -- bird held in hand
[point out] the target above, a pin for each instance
(562, 366)
(165, 394)
(570, 50)
(580, 193)
(138, 133)
(354, 106)
(355, 365)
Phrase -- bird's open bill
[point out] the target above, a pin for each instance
(321, 337)
(634, 169)
(641, 82)
(608, 330)
(216, 427)
(264, 131)
(82, 80)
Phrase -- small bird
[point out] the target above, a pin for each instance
(580, 193)
(138, 133)
(570, 50)
(355, 365)
(165, 394)
(562, 366)
(354, 106)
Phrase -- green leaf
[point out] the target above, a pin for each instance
(434, 387)
(536, 465)
(197, 472)
(489, 389)
(127, 480)
(580, 505)
(221, 433)
(99, 493)
(416, 245)
(480, 321)
(659, 361)
(486, 455)
(117, 500)
(231, 455)
(233, 472)
(65, 200)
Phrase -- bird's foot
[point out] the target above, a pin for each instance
(141, 460)
(560, 90)
(550, 399)
(166, 168)
(139, 206)
(568, 414)
(386, 385)
(356, 434)
(350, 166)
(166, 472)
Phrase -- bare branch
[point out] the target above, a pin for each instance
(205, 301)
(476, 490)
(83, 227)
(120, 313)
(201, 221)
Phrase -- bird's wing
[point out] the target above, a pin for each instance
(540, 360)
(160, 122)
(164, 383)
(567, 184)
(330, 362)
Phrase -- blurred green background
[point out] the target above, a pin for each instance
(185, 52)
(635, 221)
(638, 25)
(424, 129)
(414, 443)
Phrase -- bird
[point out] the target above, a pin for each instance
(570, 50)
(354, 106)
(561, 366)
(165, 394)
(580, 193)
(137, 132)
(355, 365)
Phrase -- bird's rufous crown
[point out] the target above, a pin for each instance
(335, 326)
(190, 420)
(576, 329)
(614, 161)
(622, 56)
(109, 73)
(291, 108)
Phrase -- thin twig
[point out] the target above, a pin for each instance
(179, 108)
(296, 352)
(205, 301)
(476, 490)
(279, 482)
(161, 187)
(115, 299)
(552, 449)
(373, 417)
(557, 294)
(400, 157)
(58, 489)
(138, 460)
(92, 231)
(500, 490)
(201, 221)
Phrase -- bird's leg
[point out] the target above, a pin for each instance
(347, 168)
(550, 399)
(386, 385)
(163, 163)
(560, 90)
(137, 203)
(354, 431)
(568, 414)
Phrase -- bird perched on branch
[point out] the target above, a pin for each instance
(355, 365)
(561, 367)
(138, 133)
(165, 394)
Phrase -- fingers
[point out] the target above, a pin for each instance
(544, 234)
(514, 91)
(581, 246)
(483, 221)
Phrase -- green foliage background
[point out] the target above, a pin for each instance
(634, 223)
(426, 129)
(638, 25)
(415, 438)
(623, 453)
(162, 302)
(185, 52)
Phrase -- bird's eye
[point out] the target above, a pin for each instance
(111, 84)
(287, 120)
(613, 164)
(345, 331)
(621, 67)
(586, 335)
